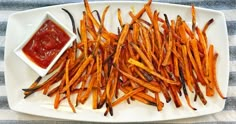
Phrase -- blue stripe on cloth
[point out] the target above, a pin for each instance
(232, 79)
(231, 27)
(4, 102)
(232, 53)
(26, 4)
(2, 53)
(230, 103)
(2, 79)
(3, 26)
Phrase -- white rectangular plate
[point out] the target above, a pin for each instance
(18, 75)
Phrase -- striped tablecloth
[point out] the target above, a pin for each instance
(228, 7)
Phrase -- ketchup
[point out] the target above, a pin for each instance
(45, 44)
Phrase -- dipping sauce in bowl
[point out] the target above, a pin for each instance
(46, 43)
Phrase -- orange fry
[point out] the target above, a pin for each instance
(119, 17)
(78, 73)
(140, 82)
(126, 96)
(67, 83)
(120, 43)
(138, 64)
(215, 78)
(186, 68)
(210, 88)
(142, 55)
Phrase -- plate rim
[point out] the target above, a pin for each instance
(107, 2)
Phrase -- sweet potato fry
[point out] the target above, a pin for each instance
(185, 90)
(125, 97)
(183, 33)
(135, 32)
(137, 97)
(98, 15)
(149, 12)
(147, 43)
(186, 68)
(160, 104)
(84, 37)
(157, 30)
(140, 13)
(197, 58)
(34, 84)
(140, 82)
(142, 55)
(170, 42)
(90, 15)
(78, 73)
(193, 18)
(175, 96)
(136, 63)
(119, 17)
(104, 14)
(58, 63)
(67, 83)
(120, 43)
(215, 77)
(57, 100)
(95, 96)
(143, 95)
(89, 89)
(204, 46)
(205, 28)
(114, 85)
(194, 64)
(99, 69)
(210, 88)
(188, 30)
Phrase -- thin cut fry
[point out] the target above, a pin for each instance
(204, 46)
(78, 73)
(215, 78)
(142, 55)
(210, 88)
(119, 17)
(67, 83)
(134, 62)
(170, 42)
(160, 104)
(140, 82)
(120, 42)
(126, 96)
(186, 68)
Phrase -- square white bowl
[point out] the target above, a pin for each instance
(43, 71)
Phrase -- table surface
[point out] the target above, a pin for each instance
(228, 7)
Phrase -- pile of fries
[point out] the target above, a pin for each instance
(144, 60)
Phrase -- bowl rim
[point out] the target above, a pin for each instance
(18, 50)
